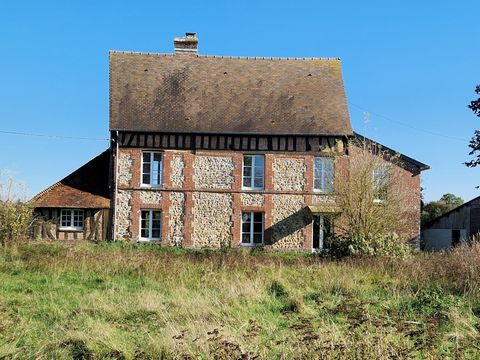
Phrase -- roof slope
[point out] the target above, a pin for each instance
(86, 187)
(211, 94)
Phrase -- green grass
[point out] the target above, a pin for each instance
(117, 301)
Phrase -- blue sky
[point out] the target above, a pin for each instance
(412, 65)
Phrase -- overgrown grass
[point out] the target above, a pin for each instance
(115, 301)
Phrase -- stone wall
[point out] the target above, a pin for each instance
(289, 220)
(125, 169)
(150, 197)
(289, 174)
(177, 176)
(253, 199)
(212, 219)
(176, 213)
(213, 172)
(124, 213)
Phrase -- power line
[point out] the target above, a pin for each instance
(52, 136)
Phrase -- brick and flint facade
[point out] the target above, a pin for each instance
(191, 133)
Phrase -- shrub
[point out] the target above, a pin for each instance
(359, 245)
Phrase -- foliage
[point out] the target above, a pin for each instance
(474, 144)
(434, 209)
(110, 301)
(372, 201)
(16, 216)
(358, 245)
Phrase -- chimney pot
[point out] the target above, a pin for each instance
(187, 44)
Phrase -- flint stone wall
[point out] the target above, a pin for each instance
(124, 213)
(323, 199)
(289, 221)
(289, 174)
(176, 213)
(212, 220)
(252, 199)
(150, 197)
(213, 172)
(176, 171)
(125, 169)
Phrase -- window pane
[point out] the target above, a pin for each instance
(156, 233)
(146, 168)
(247, 161)
(146, 157)
(145, 214)
(258, 217)
(157, 157)
(144, 233)
(247, 171)
(146, 179)
(247, 181)
(246, 216)
(156, 215)
(257, 238)
(245, 238)
(257, 227)
(259, 161)
(258, 183)
(245, 227)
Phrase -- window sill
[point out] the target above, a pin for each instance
(253, 189)
(251, 245)
(146, 240)
(145, 186)
(318, 191)
(77, 229)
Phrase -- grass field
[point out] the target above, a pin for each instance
(138, 302)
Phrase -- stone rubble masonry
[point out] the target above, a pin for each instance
(176, 212)
(289, 222)
(212, 219)
(125, 169)
(124, 213)
(289, 174)
(150, 197)
(253, 199)
(213, 172)
(327, 199)
(176, 173)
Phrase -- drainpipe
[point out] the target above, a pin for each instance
(116, 190)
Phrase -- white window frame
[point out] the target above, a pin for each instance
(323, 188)
(150, 225)
(160, 170)
(252, 177)
(251, 232)
(71, 213)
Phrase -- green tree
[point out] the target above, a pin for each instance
(474, 144)
(434, 209)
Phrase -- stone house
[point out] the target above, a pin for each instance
(212, 151)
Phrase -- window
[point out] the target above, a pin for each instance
(252, 228)
(380, 183)
(253, 171)
(322, 232)
(71, 219)
(152, 168)
(150, 225)
(323, 174)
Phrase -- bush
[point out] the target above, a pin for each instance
(16, 216)
(358, 245)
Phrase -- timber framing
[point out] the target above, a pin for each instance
(231, 142)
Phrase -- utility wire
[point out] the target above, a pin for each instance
(52, 136)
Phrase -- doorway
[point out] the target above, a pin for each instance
(322, 232)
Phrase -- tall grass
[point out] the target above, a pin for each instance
(127, 301)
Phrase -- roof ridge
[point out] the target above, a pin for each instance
(224, 56)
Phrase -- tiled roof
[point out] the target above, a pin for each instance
(86, 187)
(212, 94)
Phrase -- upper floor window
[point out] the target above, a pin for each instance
(253, 171)
(380, 183)
(152, 168)
(323, 174)
(71, 219)
(150, 225)
(252, 228)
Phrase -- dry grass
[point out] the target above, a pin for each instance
(124, 301)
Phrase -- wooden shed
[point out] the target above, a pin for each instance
(452, 228)
(76, 207)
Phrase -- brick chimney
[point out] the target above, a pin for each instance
(187, 44)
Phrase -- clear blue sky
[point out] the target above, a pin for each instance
(414, 62)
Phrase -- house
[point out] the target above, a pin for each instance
(454, 227)
(212, 151)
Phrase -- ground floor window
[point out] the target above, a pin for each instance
(322, 231)
(71, 219)
(252, 228)
(150, 224)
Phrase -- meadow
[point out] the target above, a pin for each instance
(118, 301)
